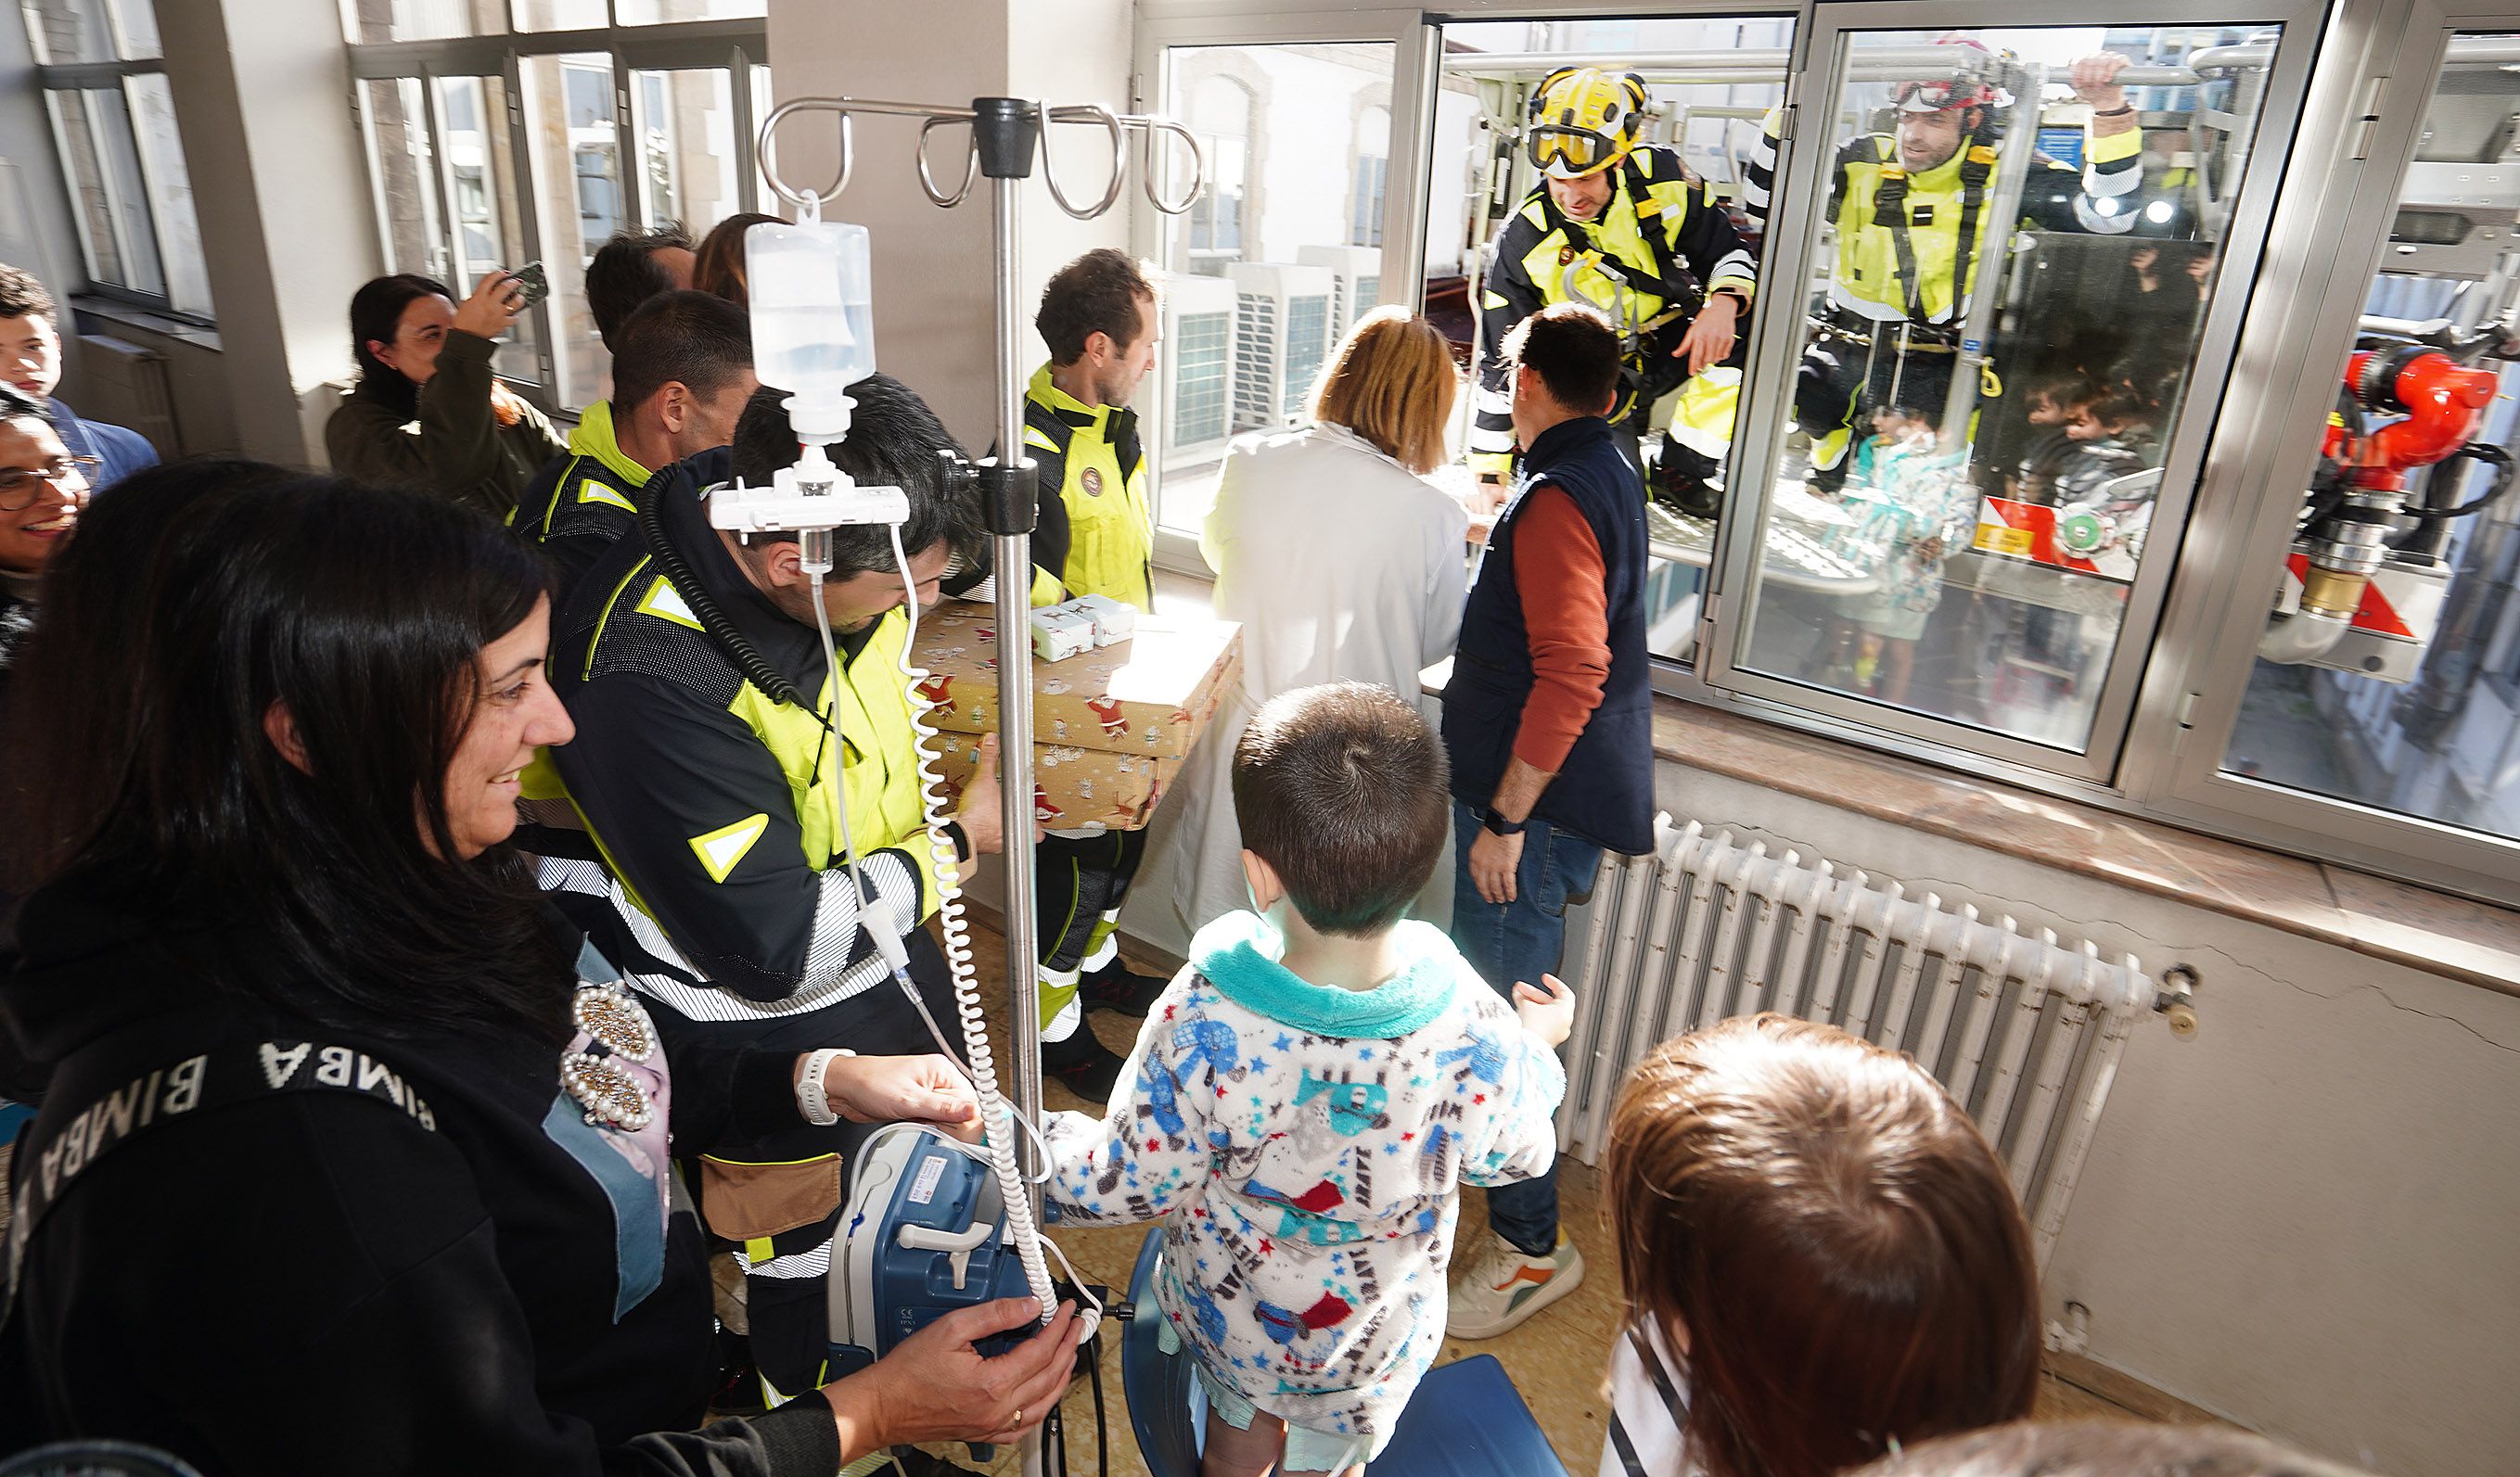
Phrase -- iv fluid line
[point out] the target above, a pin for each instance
(996, 1114)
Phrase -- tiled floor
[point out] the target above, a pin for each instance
(1556, 1359)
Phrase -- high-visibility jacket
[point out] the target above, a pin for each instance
(1900, 257)
(1095, 532)
(1660, 219)
(715, 809)
(581, 502)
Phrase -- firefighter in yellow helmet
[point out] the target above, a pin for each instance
(1629, 229)
(1913, 234)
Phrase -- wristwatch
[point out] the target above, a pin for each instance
(1493, 821)
(812, 1099)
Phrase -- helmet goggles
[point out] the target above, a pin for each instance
(1572, 153)
(1942, 96)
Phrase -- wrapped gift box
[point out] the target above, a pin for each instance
(1150, 696)
(1072, 786)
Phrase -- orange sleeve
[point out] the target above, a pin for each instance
(1557, 573)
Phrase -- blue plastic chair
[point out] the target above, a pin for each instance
(1466, 1421)
(14, 1117)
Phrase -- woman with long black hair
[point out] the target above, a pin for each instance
(342, 1166)
(428, 410)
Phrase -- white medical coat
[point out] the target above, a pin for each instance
(1343, 565)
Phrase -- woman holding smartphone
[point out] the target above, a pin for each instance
(428, 411)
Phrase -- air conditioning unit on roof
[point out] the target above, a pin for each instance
(1358, 273)
(1281, 333)
(1199, 365)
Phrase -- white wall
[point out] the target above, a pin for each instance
(36, 233)
(934, 292)
(261, 91)
(2307, 1216)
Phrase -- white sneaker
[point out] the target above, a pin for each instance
(1507, 1286)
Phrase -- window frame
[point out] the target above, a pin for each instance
(1794, 244)
(734, 46)
(2250, 449)
(2336, 233)
(68, 84)
(1163, 24)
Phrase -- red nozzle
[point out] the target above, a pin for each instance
(2444, 403)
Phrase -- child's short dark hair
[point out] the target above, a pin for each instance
(1344, 791)
(894, 440)
(1575, 353)
(1836, 1237)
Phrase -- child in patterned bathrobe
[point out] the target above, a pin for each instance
(1309, 1096)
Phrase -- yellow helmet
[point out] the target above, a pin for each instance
(1584, 121)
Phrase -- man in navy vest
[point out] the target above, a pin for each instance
(1548, 723)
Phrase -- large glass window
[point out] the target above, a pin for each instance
(424, 20)
(1373, 177)
(441, 161)
(666, 12)
(1273, 121)
(131, 194)
(473, 173)
(561, 15)
(1993, 351)
(402, 170)
(2397, 688)
(689, 161)
(1494, 249)
(1220, 113)
(579, 201)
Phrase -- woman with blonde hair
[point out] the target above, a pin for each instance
(1342, 562)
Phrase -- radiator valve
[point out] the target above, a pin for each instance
(2176, 1001)
(2071, 1333)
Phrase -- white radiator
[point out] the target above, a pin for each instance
(2024, 1031)
(121, 384)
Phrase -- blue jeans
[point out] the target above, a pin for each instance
(1520, 941)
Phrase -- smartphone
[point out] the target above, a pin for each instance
(531, 283)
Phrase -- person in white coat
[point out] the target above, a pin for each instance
(1342, 562)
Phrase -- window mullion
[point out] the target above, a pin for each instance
(437, 184)
(108, 185)
(529, 227)
(148, 186)
(628, 167)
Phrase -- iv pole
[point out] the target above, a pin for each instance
(1006, 138)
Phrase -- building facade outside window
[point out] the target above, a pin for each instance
(496, 135)
(104, 81)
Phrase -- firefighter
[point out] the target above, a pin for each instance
(1632, 231)
(1913, 232)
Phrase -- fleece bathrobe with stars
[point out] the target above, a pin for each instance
(1306, 1146)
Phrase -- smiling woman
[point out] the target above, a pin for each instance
(271, 895)
(42, 488)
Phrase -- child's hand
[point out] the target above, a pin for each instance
(1547, 1010)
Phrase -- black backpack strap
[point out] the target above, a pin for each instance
(1679, 286)
(123, 1089)
(1667, 280)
